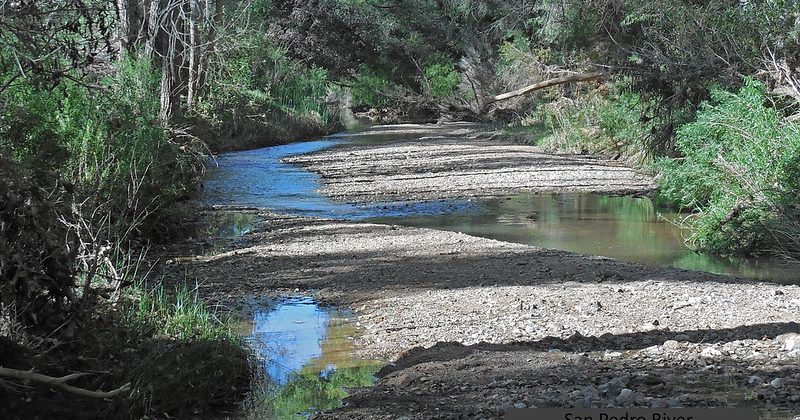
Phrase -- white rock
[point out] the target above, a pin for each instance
(790, 341)
(776, 383)
(710, 352)
(670, 344)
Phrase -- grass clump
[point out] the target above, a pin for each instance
(193, 359)
(606, 120)
(739, 174)
(180, 315)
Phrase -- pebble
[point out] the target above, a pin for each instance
(614, 386)
(681, 337)
(590, 393)
(755, 380)
(671, 344)
(776, 383)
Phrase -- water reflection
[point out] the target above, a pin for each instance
(626, 228)
(229, 224)
(307, 355)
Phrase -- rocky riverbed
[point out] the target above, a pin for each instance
(458, 161)
(472, 327)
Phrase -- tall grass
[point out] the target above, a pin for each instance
(180, 315)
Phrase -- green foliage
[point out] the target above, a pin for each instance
(180, 315)
(597, 122)
(565, 24)
(259, 75)
(107, 140)
(369, 88)
(740, 173)
(441, 77)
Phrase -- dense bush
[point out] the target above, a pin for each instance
(37, 252)
(740, 174)
(369, 89)
(607, 121)
(441, 77)
(108, 141)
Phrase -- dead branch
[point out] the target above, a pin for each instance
(61, 382)
(583, 77)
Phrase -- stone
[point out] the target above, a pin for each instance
(671, 344)
(590, 393)
(626, 396)
(681, 337)
(614, 386)
(776, 383)
(710, 352)
(520, 405)
(789, 341)
(755, 380)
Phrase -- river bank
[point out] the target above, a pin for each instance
(472, 326)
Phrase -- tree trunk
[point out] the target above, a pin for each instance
(153, 13)
(194, 55)
(124, 27)
(585, 77)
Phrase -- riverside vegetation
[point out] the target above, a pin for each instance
(108, 111)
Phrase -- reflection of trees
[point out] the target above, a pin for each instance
(311, 390)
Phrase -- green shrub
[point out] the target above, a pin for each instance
(605, 120)
(369, 89)
(740, 174)
(441, 77)
(258, 75)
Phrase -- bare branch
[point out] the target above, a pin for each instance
(27, 375)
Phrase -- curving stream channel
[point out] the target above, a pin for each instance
(305, 349)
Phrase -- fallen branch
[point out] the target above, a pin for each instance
(62, 382)
(584, 77)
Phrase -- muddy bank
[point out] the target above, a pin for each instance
(458, 160)
(494, 324)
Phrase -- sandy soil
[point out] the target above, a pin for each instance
(473, 327)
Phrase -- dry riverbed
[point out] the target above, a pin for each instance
(472, 327)
(458, 161)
